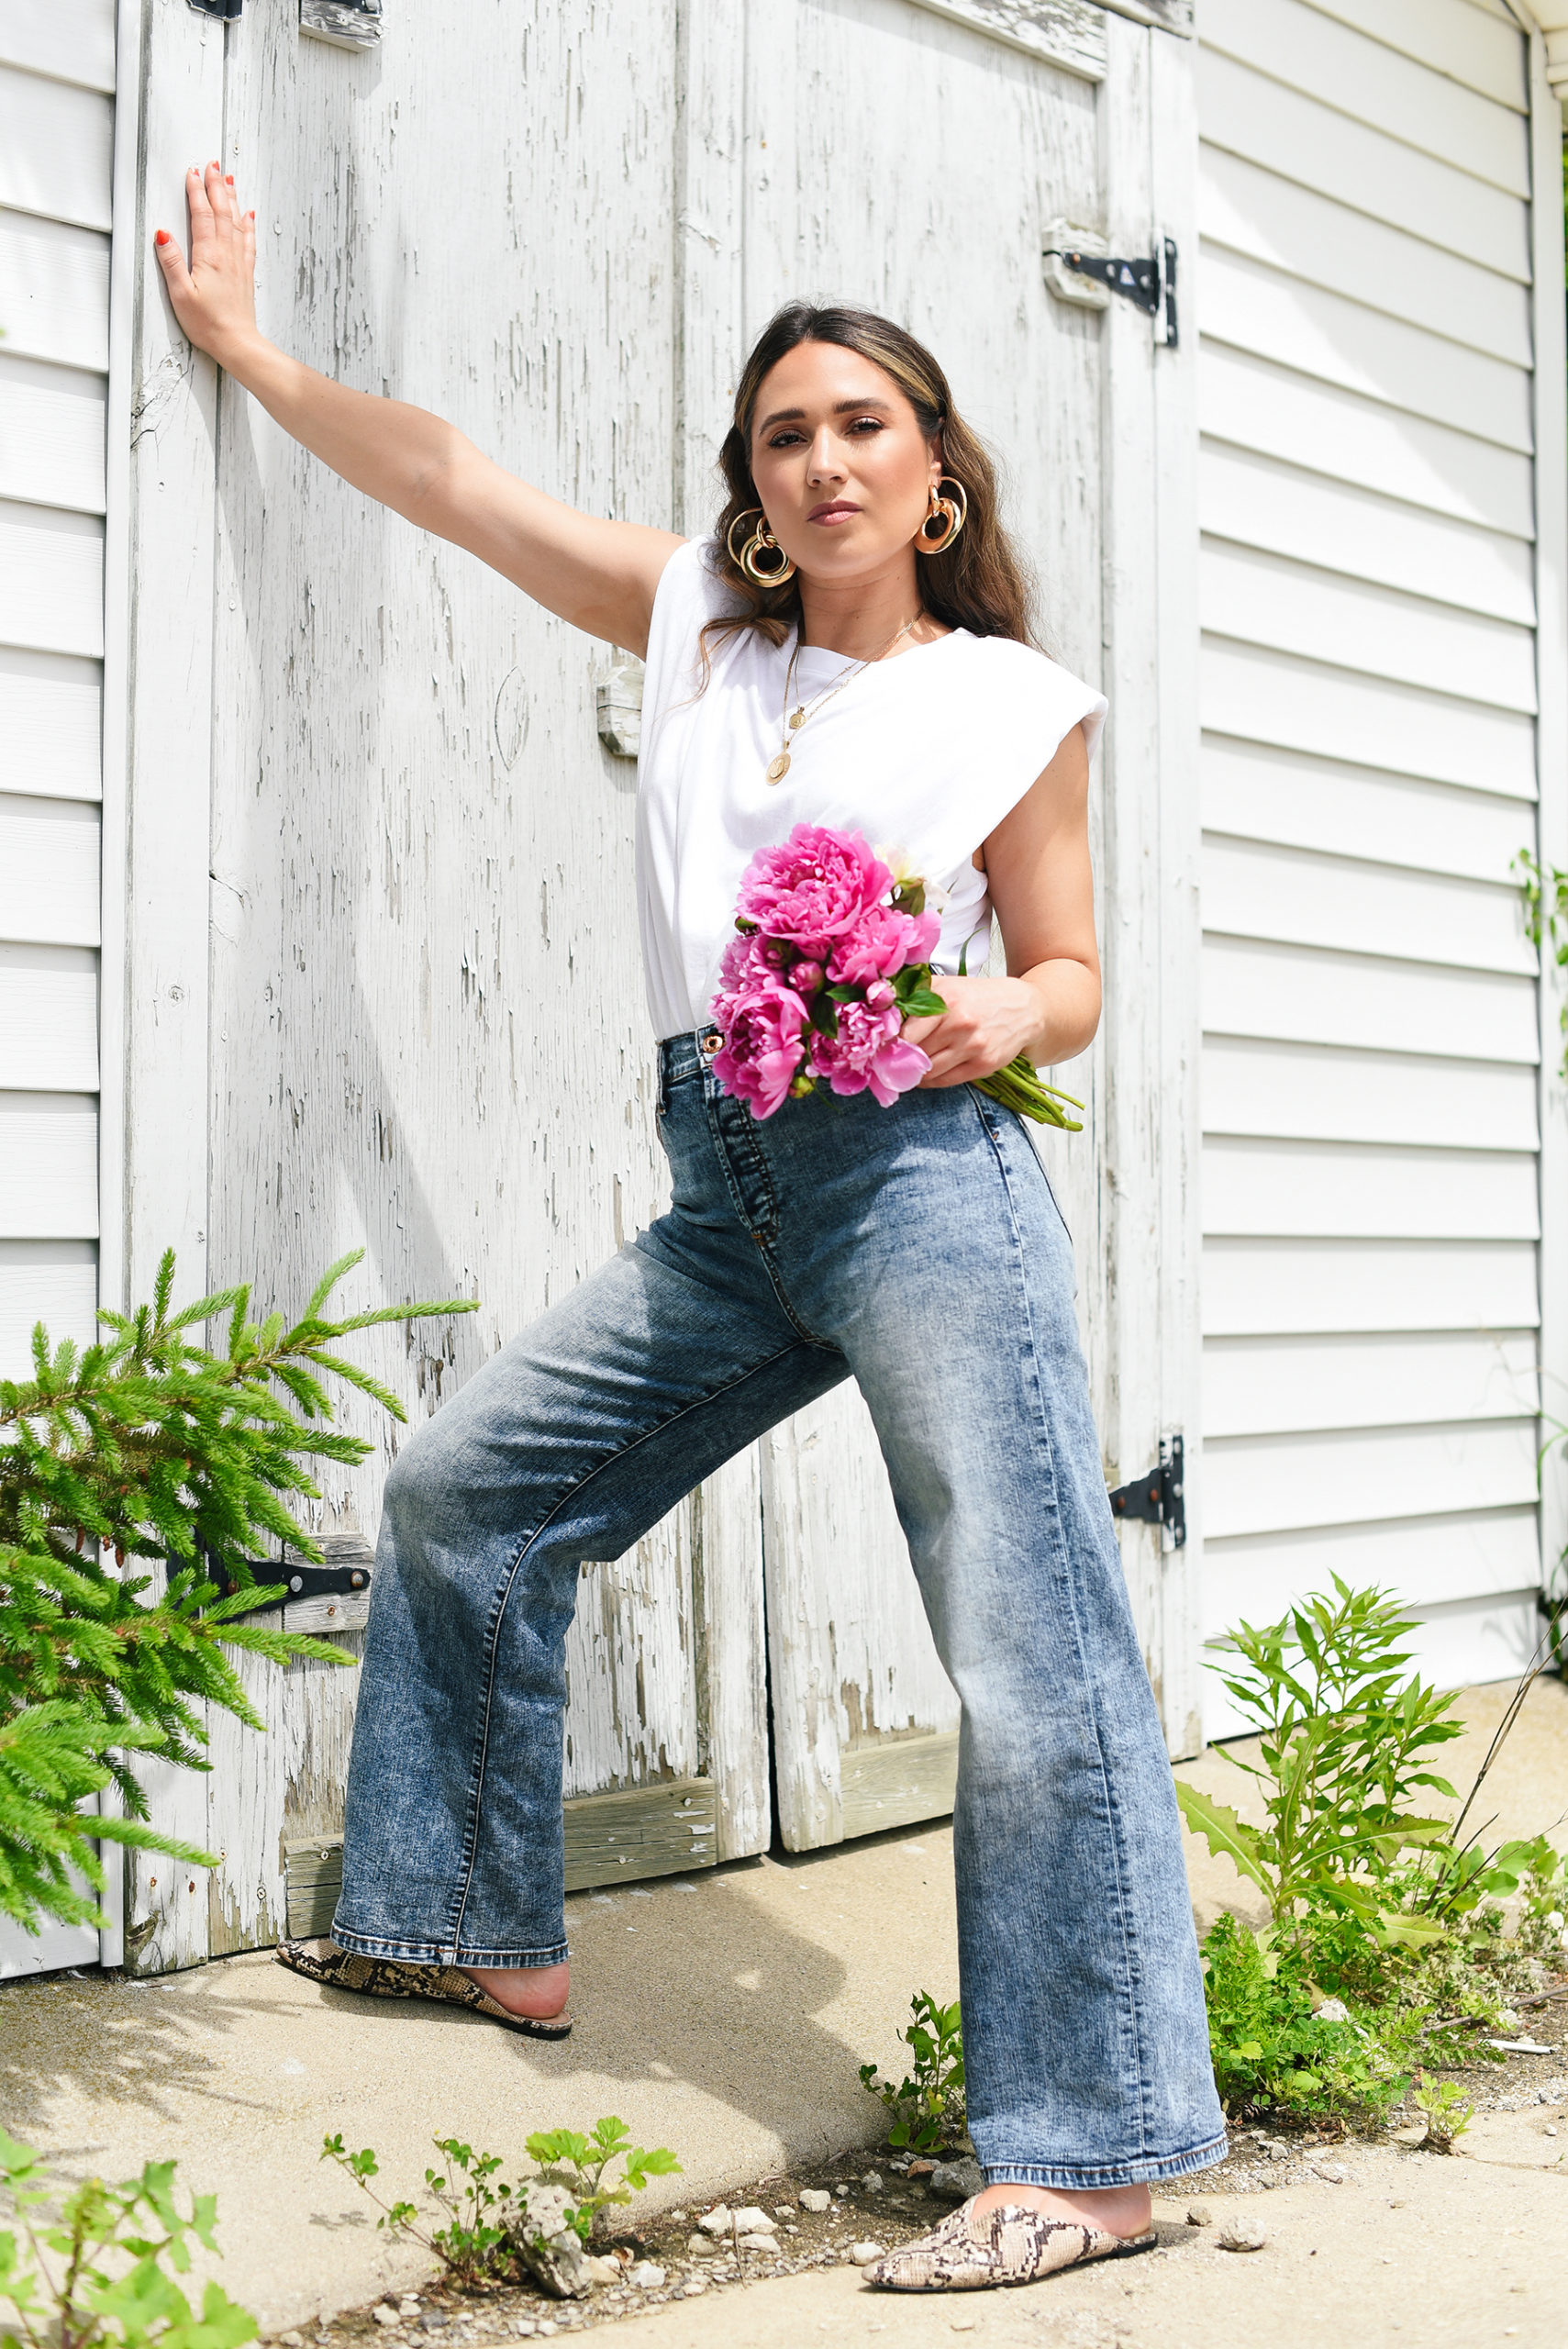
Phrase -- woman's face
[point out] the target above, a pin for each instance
(842, 466)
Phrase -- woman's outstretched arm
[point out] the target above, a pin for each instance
(599, 575)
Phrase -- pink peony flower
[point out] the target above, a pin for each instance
(814, 887)
(762, 1039)
(868, 1051)
(881, 942)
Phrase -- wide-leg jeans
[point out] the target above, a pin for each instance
(918, 1250)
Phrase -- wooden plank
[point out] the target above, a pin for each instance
(1008, 148)
(661, 1829)
(848, 1659)
(51, 434)
(1244, 209)
(1424, 1561)
(897, 1782)
(1337, 1190)
(48, 870)
(71, 40)
(1258, 696)
(1300, 996)
(56, 149)
(632, 1707)
(1271, 1385)
(727, 1604)
(52, 1281)
(1299, 44)
(1247, 113)
(1487, 55)
(49, 1166)
(1264, 795)
(1259, 502)
(1174, 1104)
(1265, 600)
(1552, 592)
(655, 1830)
(51, 579)
(48, 1019)
(1273, 1285)
(1058, 32)
(728, 1599)
(1253, 890)
(1310, 1091)
(1171, 15)
(54, 287)
(169, 513)
(1257, 309)
(1277, 1484)
(1342, 437)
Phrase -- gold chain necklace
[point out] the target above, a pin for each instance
(791, 720)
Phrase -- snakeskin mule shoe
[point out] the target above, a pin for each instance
(384, 1977)
(1009, 2245)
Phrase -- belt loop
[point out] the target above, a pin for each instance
(663, 1080)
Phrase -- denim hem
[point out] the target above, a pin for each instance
(443, 1953)
(1146, 2172)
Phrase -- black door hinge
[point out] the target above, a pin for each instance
(346, 1572)
(1158, 1498)
(1150, 284)
(228, 9)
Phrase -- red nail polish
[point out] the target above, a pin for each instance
(162, 237)
(228, 179)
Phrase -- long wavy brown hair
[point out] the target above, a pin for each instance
(978, 583)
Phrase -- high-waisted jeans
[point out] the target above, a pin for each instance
(918, 1250)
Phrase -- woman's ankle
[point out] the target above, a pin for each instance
(538, 1991)
(1118, 2210)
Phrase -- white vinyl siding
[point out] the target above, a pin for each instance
(1368, 696)
(57, 59)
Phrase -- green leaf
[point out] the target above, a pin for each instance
(1225, 1832)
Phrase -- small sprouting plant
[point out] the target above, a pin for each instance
(473, 2246)
(581, 2163)
(488, 2238)
(95, 2276)
(1544, 888)
(927, 2105)
(1448, 2113)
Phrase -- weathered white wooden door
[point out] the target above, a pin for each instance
(1382, 688)
(423, 1031)
(914, 162)
(62, 683)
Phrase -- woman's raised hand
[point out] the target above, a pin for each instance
(214, 298)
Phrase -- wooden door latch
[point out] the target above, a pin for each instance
(1151, 284)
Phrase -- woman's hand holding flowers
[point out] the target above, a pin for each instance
(987, 1024)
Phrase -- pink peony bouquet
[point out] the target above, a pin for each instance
(832, 954)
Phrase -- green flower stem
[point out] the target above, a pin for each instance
(1019, 1087)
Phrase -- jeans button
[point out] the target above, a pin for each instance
(711, 1042)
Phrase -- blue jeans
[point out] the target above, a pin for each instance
(919, 1250)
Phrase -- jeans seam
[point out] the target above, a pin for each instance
(504, 1593)
(1113, 1816)
(768, 1228)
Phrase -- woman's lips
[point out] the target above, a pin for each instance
(839, 511)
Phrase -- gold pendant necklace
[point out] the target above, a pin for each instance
(794, 720)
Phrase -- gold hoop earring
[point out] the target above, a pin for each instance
(948, 515)
(762, 543)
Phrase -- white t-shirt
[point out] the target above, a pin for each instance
(925, 752)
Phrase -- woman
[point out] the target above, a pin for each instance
(851, 649)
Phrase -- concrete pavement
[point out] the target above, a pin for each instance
(726, 2015)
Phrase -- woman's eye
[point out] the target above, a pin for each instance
(784, 439)
(866, 424)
